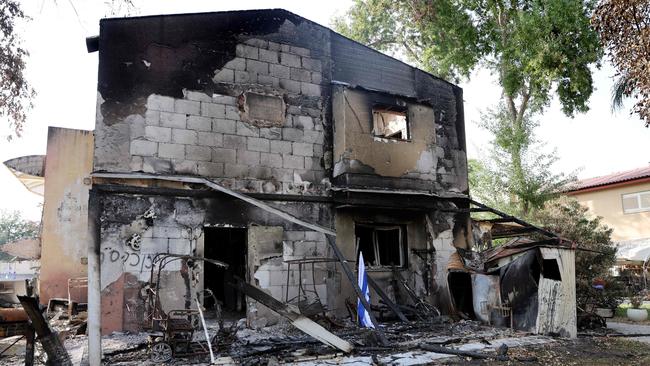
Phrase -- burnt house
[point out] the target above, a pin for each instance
(253, 138)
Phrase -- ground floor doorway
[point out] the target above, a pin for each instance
(227, 245)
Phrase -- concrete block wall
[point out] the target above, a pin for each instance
(176, 226)
(212, 136)
(272, 274)
(117, 257)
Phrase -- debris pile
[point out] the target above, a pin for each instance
(428, 340)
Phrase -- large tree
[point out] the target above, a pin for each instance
(16, 93)
(624, 27)
(13, 226)
(536, 49)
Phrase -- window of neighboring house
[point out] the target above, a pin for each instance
(636, 202)
(390, 123)
(382, 245)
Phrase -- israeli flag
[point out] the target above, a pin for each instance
(362, 313)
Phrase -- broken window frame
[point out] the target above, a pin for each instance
(375, 227)
(639, 202)
(379, 109)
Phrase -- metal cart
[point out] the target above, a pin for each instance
(172, 333)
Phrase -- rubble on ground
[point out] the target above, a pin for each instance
(285, 344)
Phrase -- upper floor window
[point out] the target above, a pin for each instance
(382, 245)
(636, 202)
(390, 123)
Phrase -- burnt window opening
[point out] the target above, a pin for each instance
(391, 123)
(382, 245)
(551, 270)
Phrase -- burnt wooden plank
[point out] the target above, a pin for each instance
(56, 353)
(298, 320)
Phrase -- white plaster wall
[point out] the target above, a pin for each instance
(444, 246)
(557, 299)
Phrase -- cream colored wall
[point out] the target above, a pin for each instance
(390, 158)
(64, 241)
(608, 204)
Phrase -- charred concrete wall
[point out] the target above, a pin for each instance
(346, 240)
(214, 100)
(166, 224)
(432, 102)
(426, 273)
(430, 158)
(245, 98)
(65, 210)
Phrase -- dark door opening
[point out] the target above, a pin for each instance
(460, 287)
(227, 245)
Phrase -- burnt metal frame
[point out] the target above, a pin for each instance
(301, 291)
(526, 227)
(170, 334)
(160, 259)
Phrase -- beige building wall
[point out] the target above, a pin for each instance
(64, 241)
(608, 204)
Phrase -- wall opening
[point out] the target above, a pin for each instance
(262, 110)
(382, 245)
(227, 245)
(390, 122)
(550, 270)
(460, 287)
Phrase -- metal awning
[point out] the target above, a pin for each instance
(30, 171)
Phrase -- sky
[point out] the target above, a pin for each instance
(65, 77)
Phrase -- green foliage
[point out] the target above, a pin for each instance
(531, 45)
(448, 47)
(16, 94)
(516, 178)
(623, 28)
(621, 90)
(536, 49)
(14, 227)
(570, 220)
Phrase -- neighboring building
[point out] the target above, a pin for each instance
(64, 238)
(15, 278)
(623, 201)
(62, 177)
(20, 260)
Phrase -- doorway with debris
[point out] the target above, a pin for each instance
(228, 245)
